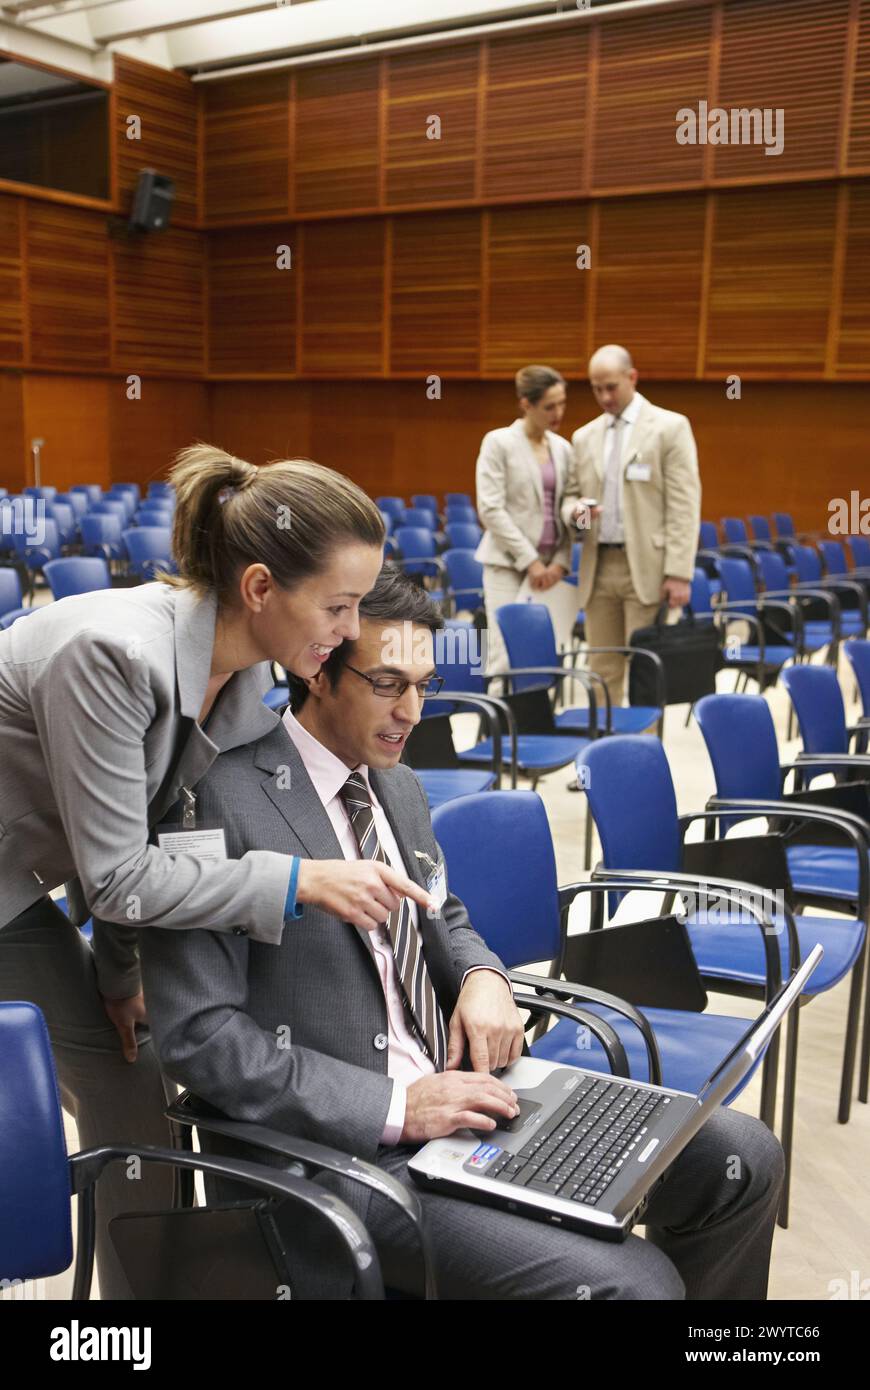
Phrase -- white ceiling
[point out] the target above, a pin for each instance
(199, 35)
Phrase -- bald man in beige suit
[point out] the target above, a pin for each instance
(639, 465)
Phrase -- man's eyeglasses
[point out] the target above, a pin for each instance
(393, 687)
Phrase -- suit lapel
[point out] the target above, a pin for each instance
(638, 438)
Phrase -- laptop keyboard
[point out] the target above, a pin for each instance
(585, 1143)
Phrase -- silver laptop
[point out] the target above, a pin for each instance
(587, 1150)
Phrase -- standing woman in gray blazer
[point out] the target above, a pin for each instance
(521, 473)
(112, 706)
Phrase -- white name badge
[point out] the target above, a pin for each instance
(436, 882)
(208, 845)
(638, 472)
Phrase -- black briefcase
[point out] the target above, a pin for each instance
(690, 652)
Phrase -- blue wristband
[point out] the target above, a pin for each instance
(291, 910)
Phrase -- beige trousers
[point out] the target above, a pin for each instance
(501, 584)
(613, 613)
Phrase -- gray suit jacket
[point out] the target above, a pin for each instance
(286, 1037)
(99, 697)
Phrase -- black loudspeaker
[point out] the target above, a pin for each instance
(152, 204)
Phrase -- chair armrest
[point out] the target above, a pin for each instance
(631, 653)
(545, 1004)
(744, 895)
(586, 678)
(564, 990)
(853, 827)
(87, 1167)
(322, 1158)
(487, 705)
(830, 759)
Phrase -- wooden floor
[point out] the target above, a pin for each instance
(828, 1239)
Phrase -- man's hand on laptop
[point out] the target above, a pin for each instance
(487, 1020)
(361, 891)
(438, 1105)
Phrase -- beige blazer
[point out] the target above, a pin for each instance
(661, 512)
(510, 498)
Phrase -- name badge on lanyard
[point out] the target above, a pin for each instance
(205, 842)
(637, 471)
(436, 882)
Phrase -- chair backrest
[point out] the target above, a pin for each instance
(463, 535)
(834, 556)
(860, 547)
(394, 505)
(34, 1171)
(741, 741)
(101, 528)
(858, 652)
(47, 494)
(461, 653)
(132, 488)
(527, 630)
(10, 590)
(738, 581)
(760, 528)
(464, 573)
(428, 500)
(630, 791)
(77, 500)
(9, 619)
(77, 574)
(818, 700)
(500, 863)
(63, 514)
(451, 497)
(807, 563)
(734, 530)
(462, 512)
(43, 542)
(420, 516)
(148, 547)
(153, 516)
(708, 536)
(701, 595)
(92, 491)
(773, 569)
(415, 542)
(783, 523)
(161, 490)
(388, 520)
(112, 506)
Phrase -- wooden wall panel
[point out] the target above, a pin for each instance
(858, 145)
(853, 339)
(71, 413)
(771, 280)
(790, 56)
(649, 68)
(337, 151)
(145, 435)
(536, 296)
(11, 282)
(421, 169)
(252, 303)
(13, 451)
(435, 294)
(159, 302)
(246, 147)
(343, 297)
(782, 446)
(67, 254)
(648, 264)
(167, 104)
(535, 115)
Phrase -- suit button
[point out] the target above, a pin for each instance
(240, 931)
(381, 1041)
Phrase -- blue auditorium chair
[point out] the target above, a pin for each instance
(32, 554)
(38, 1179)
(462, 498)
(92, 491)
(463, 535)
(149, 549)
(427, 500)
(858, 653)
(101, 536)
(464, 578)
(11, 597)
(394, 505)
(462, 514)
(76, 574)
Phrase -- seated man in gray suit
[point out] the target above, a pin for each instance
(394, 1034)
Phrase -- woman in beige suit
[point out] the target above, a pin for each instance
(521, 472)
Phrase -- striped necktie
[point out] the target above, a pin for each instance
(421, 1006)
